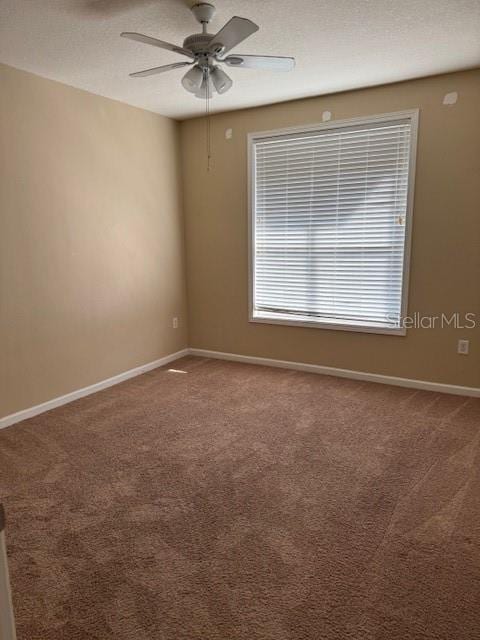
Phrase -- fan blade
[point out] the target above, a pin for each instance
(234, 32)
(139, 37)
(162, 69)
(275, 63)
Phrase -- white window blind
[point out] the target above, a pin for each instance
(329, 224)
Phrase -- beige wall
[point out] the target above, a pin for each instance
(91, 239)
(445, 265)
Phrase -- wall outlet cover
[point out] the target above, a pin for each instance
(463, 346)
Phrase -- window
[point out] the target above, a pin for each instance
(330, 220)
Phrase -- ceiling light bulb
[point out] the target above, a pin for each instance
(193, 79)
(221, 81)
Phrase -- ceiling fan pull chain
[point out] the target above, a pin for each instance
(207, 114)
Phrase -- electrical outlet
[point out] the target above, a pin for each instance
(463, 346)
(175, 323)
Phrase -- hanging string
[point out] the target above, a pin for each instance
(207, 116)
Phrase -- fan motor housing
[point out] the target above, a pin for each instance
(198, 42)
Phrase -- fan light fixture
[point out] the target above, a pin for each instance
(206, 51)
(206, 89)
(221, 81)
(193, 79)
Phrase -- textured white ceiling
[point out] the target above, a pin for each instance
(338, 45)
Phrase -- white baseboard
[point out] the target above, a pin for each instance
(93, 388)
(235, 357)
(341, 373)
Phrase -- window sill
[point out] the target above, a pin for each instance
(304, 321)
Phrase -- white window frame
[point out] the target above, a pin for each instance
(413, 116)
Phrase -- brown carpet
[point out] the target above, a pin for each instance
(246, 503)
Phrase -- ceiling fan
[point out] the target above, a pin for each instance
(207, 50)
